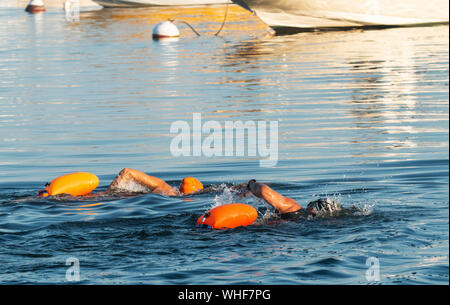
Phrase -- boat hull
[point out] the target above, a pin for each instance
(311, 14)
(140, 3)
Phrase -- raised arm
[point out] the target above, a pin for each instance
(154, 184)
(281, 203)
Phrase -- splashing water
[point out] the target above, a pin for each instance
(228, 195)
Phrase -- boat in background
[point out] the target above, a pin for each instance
(138, 3)
(319, 14)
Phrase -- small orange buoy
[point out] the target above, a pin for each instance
(75, 184)
(228, 216)
(35, 6)
(190, 185)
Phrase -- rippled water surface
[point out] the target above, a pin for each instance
(362, 118)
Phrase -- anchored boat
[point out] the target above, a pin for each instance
(138, 3)
(312, 14)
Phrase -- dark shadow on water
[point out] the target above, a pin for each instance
(282, 31)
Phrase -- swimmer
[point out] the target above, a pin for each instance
(131, 179)
(127, 181)
(287, 207)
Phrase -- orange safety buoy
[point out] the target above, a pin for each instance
(190, 185)
(75, 184)
(227, 216)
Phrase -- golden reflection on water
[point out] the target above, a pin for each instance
(83, 208)
(206, 20)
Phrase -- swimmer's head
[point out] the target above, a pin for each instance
(323, 207)
(190, 185)
(44, 192)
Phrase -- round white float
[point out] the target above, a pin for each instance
(166, 29)
(35, 6)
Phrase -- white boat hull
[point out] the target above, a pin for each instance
(345, 13)
(138, 3)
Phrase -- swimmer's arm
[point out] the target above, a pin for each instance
(281, 203)
(155, 184)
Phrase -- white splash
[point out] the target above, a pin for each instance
(227, 196)
(362, 210)
(132, 186)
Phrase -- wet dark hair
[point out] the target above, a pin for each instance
(323, 206)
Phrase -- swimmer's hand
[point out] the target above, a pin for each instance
(254, 188)
(241, 189)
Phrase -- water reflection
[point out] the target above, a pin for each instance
(168, 57)
(373, 78)
(38, 23)
(204, 19)
(365, 94)
(82, 208)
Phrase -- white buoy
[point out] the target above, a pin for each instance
(166, 29)
(35, 6)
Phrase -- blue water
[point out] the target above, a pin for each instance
(363, 118)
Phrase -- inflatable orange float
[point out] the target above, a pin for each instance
(75, 184)
(228, 216)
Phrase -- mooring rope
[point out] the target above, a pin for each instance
(198, 34)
